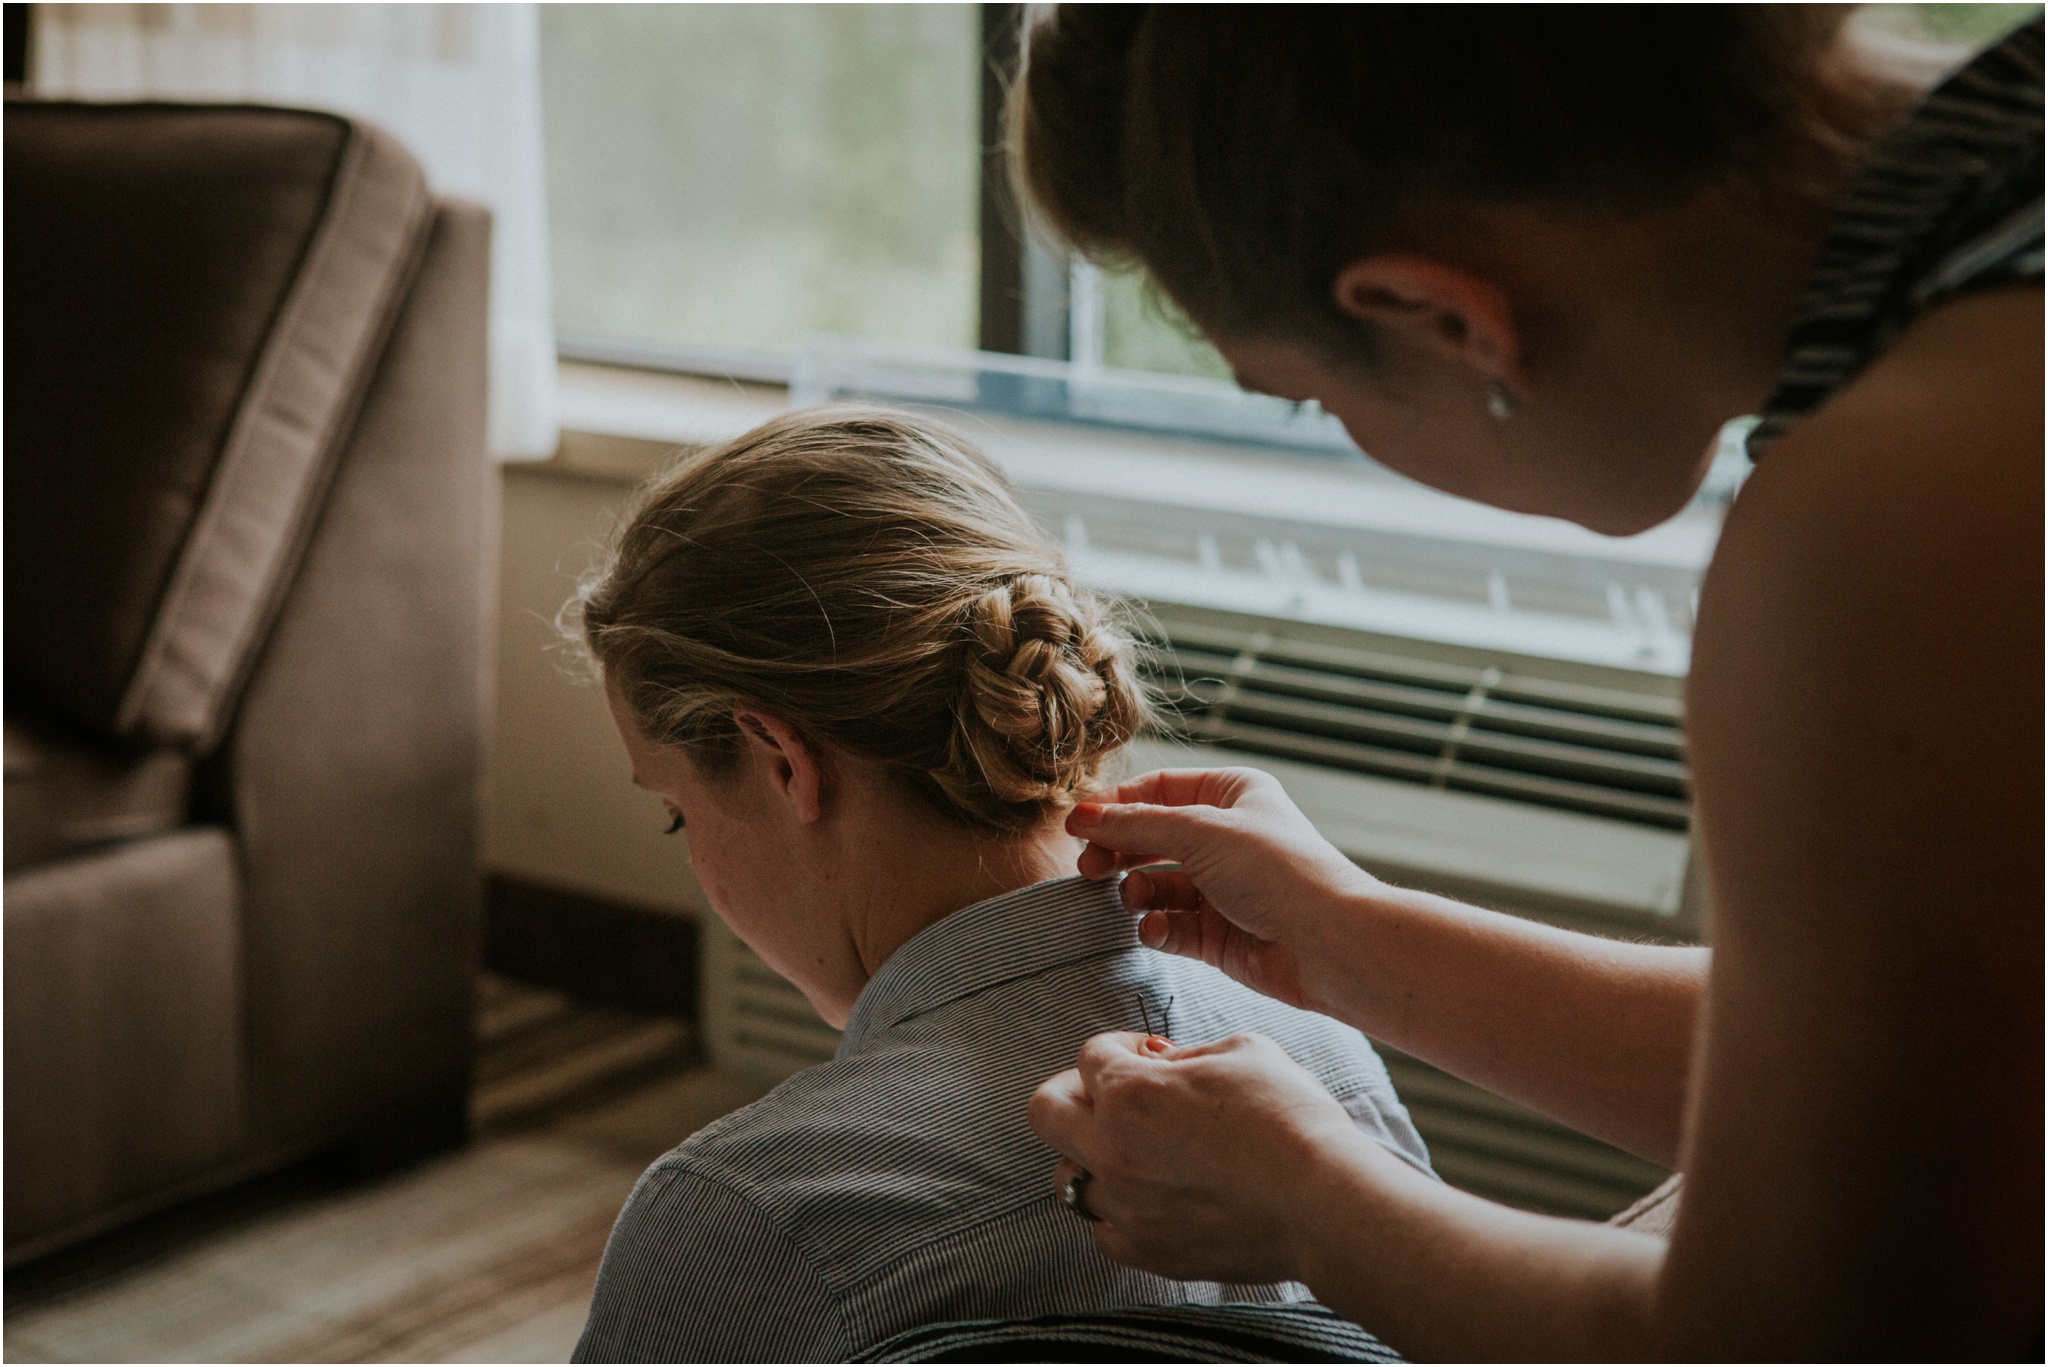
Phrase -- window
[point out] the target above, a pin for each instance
(726, 180)
(731, 178)
(1119, 321)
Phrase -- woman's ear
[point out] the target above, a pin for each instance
(790, 761)
(1437, 309)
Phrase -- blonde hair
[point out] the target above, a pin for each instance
(870, 579)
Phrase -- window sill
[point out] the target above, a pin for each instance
(623, 425)
(1345, 544)
(626, 423)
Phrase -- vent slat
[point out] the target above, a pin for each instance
(1582, 699)
(1640, 772)
(1644, 772)
(1265, 709)
(1543, 741)
(1650, 809)
(1331, 659)
(1644, 738)
(1625, 804)
(1337, 688)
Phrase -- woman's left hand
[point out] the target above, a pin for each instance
(1201, 1161)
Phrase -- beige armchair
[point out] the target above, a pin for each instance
(248, 523)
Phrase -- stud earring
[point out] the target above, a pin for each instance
(1499, 402)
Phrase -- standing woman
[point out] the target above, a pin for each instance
(1537, 256)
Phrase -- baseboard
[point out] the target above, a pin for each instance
(611, 953)
(437, 1125)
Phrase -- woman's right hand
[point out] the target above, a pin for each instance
(1257, 883)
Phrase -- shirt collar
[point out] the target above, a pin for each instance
(1002, 939)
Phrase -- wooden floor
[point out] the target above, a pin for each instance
(487, 1255)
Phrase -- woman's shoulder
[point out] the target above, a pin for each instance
(1916, 486)
(805, 1116)
(1867, 661)
(681, 1269)
(1941, 429)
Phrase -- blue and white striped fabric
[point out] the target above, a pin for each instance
(899, 1185)
(1948, 203)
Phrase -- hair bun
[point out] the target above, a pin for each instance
(1046, 690)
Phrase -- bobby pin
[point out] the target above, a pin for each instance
(1165, 1030)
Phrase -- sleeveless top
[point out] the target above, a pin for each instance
(1949, 203)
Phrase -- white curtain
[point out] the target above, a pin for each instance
(458, 84)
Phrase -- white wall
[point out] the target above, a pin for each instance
(562, 808)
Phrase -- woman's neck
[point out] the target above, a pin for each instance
(894, 867)
(939, 871)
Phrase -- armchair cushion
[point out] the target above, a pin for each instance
(66, 795)
(196, 298)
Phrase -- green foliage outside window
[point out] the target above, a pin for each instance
(1971, 26)
(1143, 330)
(741, 175)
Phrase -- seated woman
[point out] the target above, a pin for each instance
(844, 658)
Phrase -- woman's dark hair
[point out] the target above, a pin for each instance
(1243, 153)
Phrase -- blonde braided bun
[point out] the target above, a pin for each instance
(871, 579)
(1047, 693)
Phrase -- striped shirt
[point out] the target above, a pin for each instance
(1948, 203)
(899, 1185)
(1179, 1333)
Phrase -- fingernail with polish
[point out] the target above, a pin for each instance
(1085, 814)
